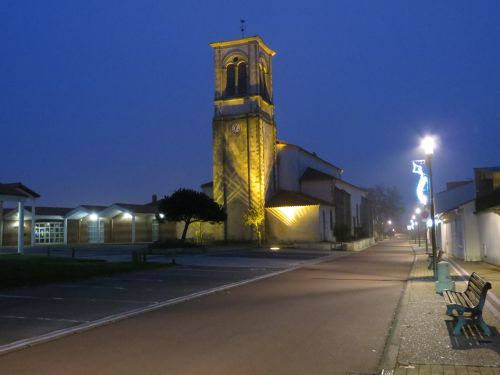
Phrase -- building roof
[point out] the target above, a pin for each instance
(148, 208)
(312, 174)
(313, 154)
(491, 169)
(17, 189)
(285, 198)
(49, 211)
(40, 211)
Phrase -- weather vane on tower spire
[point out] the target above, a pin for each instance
(242, 27)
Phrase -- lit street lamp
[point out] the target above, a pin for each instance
(428, 145)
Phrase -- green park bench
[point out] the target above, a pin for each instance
(468, 304)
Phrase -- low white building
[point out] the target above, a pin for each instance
(469, 215)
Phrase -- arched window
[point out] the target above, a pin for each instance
(236, 77)
(242, 79)
(263, 84)
(231, 80)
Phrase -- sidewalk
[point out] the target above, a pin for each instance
(422, 341)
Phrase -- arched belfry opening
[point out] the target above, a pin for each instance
(236, 77)
(244, 132)
(263, 84)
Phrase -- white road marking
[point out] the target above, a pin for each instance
(20, 344)
(41, 318)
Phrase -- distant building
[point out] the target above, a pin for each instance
(304, 196)
(85, 224)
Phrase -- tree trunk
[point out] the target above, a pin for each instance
(259, 239)
(184, 232)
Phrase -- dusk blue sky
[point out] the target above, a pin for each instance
(111, 101)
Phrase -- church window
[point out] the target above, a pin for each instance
(231, 80)
(236, 78)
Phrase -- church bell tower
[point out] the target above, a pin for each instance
(243, 130)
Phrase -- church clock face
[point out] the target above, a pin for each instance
(235, 128)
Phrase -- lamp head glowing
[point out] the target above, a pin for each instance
(93, 217)
(428, 144)
(418, 210)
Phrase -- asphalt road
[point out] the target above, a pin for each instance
(328, 318)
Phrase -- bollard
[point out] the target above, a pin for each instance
(444, 280)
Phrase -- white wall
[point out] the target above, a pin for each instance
(460, 233)
(471, 233)
(356, 195)
(489, 232)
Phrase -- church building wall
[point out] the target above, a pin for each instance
(303, 226)
(293, 162)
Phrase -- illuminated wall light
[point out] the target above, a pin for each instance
(289, 215)
(162, 216)
(289, 212)
(126, 215)
(93, 217)
(274, 248)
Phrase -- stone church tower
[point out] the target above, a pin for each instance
(243, 130)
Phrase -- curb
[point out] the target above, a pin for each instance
(391, 349)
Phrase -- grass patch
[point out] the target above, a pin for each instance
(22, 270)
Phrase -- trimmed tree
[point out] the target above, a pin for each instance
(190, 206)
(254, 217)
(386, 204)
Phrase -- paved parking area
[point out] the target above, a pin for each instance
(30, 312)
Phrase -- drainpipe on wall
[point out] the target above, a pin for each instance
(65, 231)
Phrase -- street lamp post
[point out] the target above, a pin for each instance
(428, 146)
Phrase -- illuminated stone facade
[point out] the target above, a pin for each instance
(244, 132)
(302, 195)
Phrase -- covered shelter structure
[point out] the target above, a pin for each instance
(19, 194)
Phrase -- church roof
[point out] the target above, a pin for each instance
(313, 154)
(292, 198)
(246, 40)
(314, 174)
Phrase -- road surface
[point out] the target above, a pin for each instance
(328, 318)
